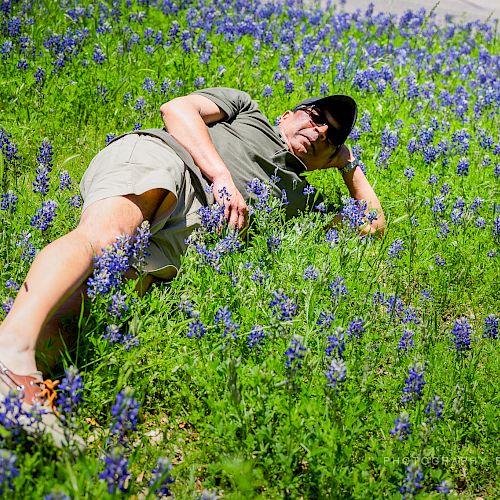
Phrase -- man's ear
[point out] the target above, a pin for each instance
(285, 115)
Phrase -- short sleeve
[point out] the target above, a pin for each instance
(231, 101)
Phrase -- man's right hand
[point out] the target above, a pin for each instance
(235, 208)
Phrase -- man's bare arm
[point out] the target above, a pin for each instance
(186, 118)
(360, 189)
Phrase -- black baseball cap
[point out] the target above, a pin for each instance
(342, 107)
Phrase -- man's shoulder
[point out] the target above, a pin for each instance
(232, 101)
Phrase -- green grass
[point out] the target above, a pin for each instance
(232, 419)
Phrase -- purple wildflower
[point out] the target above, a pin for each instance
(115, 471)
(118, 305)
(338, 288)
(75, 201)
(11, 285)
(402, 427)
(256, 337)
(8, 202)
(413, 481)
(336, 373)
(65, 181)
(28, 250)
(124, 414)
(44, 216)
(310, 273)
(196, 329)
(283, 306)
(41, 182)
(161, 478)
(112, 334)
(273, 243)
(332, 237)
(355, 329)
(406, 341)
(414, 383)
(69, 392)
(395, 250)
(490, 328)
(295, 355)
(463, 167)
(223, 317)
(461, 333)
(8, 471)
(434, 410)
(443, 487)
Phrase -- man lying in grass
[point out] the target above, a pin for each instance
(216, 136)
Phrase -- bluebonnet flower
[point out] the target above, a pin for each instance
(212, 218)
(273, 243)
(22, 64)
(109, 267)
(113, 334)
(261, 192)
(332, 237)
(434, 410)
(140, 103)
(412, 482)
(325, 320)
(6, 49)
(390, 138)
(336, 343)
(444, 230)
(196, 329)
(354, 213)
(355, 329)
(46, 155)
(149, 85)
(116, 471)
(199, 82)
(268, 91)
(8, 471)
(395, 250)
(259, 276)
(11, 285)
(338, 288)
(118, 305)
(402, 427)
(7, 304)
(41, 182)
(365, 122)
(496, 227)
(443, 487)
(75, 201)
(99, 56)
(409, 173)
(140, 244)
(256, 337)
(161, 478)
(440, 261)
(406, 342)
(310, 273)
(28, 250)
(336, 373)
(490, 328)
(44, 216)
(433, 179)
(309, 190)
(109, 138)
(8, 201)
(65, 181)
(223, 316)
(461, 333)
(69, 392)
(463, 167)
(414, 383)
(426, 295)
(124, 413)
(295, 354)
(283, 306)
(40, 76)
(9, 149)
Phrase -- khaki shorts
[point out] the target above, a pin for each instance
(135, 164)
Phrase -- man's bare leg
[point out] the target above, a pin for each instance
(61, 268)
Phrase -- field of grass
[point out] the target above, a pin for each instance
(303, 363)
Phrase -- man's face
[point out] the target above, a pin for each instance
(307, 137)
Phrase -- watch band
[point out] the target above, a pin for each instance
(351, 165)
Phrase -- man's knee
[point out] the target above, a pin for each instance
(103, 221)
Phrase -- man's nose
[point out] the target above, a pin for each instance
(322, 131)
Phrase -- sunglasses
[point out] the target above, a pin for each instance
(318, 117)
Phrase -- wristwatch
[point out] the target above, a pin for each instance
(351, 165)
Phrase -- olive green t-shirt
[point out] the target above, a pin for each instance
(252, 148)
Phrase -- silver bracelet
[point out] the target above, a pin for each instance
(351, 165)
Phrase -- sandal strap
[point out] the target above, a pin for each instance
(34, 390)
